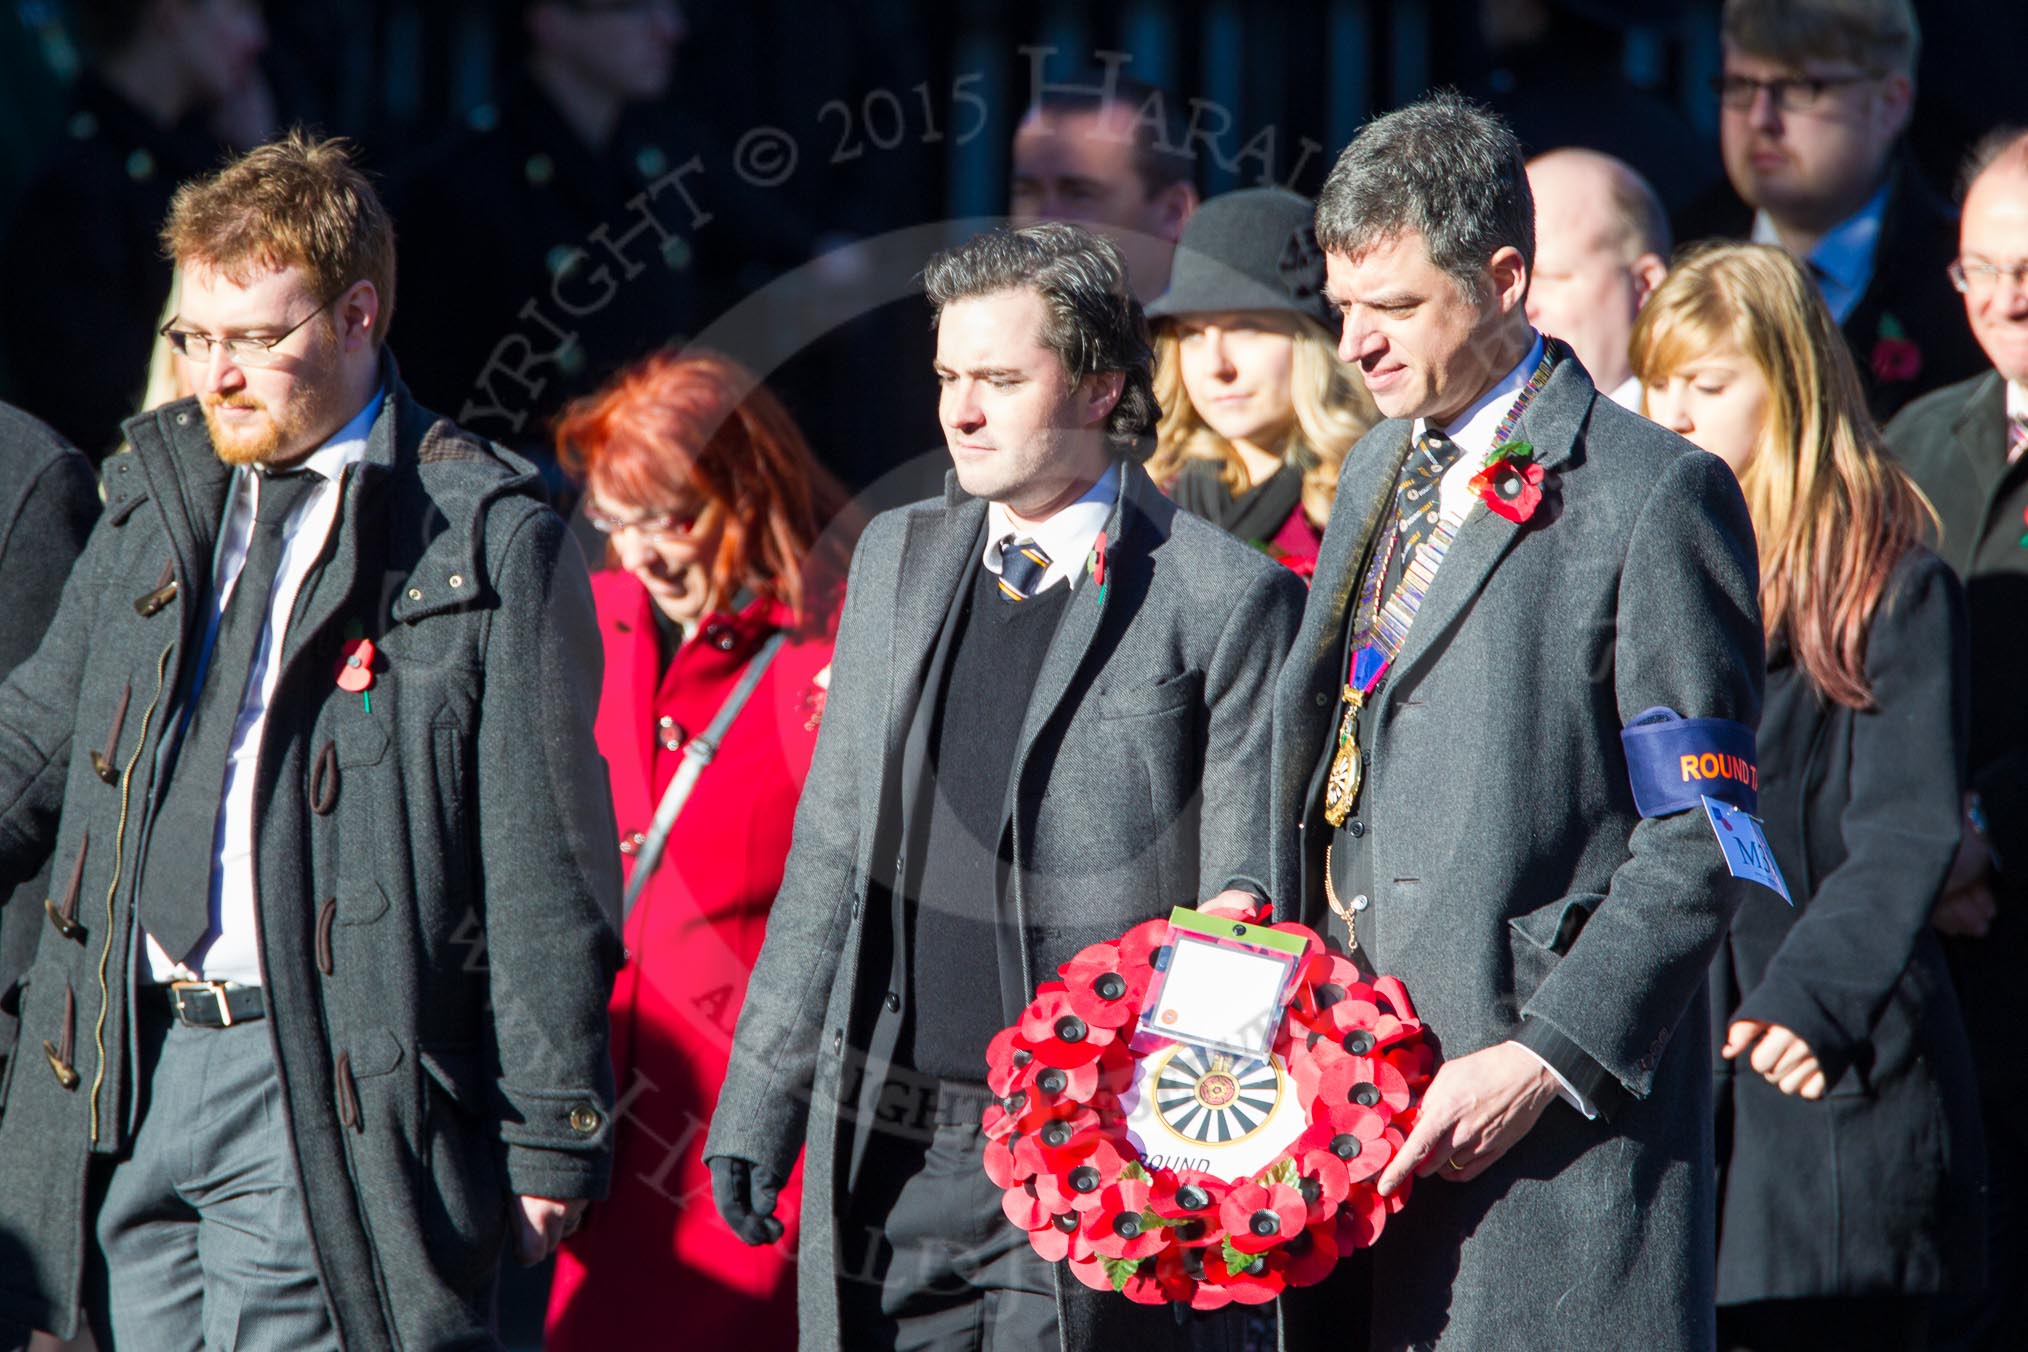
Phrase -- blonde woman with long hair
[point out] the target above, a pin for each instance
(1849, 1146)
(1257, 410)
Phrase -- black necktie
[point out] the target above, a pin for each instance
(1022, 564)
(1418, 500)
(176, 886)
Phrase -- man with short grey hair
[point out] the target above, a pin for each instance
(1515, 570)
(1601, 249)
(1046, 725)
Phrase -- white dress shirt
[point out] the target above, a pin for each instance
(233, 951)
(1627, 394)
(1066, 537)
(1842, 262)
(1473, 431)
(2017, 406)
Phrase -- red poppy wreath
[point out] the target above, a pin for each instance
(1169, 1171)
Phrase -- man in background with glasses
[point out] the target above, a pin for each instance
(1813, 100)
(317, 1017)
(1967, 446)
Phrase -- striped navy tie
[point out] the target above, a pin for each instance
(1022, 564)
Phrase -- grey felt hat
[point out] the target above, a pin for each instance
(1255, 249)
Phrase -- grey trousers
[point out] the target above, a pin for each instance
(201, 1237)
(941, 1269)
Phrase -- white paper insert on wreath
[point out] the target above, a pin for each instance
(1217, 1099)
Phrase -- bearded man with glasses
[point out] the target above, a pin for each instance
(1812, 103)
(316, 1025)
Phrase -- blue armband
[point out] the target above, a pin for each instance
(1675, 761)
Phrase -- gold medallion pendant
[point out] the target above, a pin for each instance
(1341, 786)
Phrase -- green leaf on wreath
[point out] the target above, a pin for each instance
(1235, 1261)
(1510, 450)
(1284, 1171)
(1133, 1169)
(1119, 1271)
(1150, 1221)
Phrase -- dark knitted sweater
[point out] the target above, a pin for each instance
(962, 853)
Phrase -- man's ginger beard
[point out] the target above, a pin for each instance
(301, 425)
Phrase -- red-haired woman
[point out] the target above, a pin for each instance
(718, 561)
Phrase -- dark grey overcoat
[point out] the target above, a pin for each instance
(1138, 786)
(1514, 883)
(437, 875)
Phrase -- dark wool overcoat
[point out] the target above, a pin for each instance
(437, 873)
(1514, 887)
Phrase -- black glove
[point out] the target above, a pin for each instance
(745, 1195)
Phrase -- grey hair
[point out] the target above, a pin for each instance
(1445, 168)
(1092, 321)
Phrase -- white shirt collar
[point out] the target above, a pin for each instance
(1627, 394)
(2017, 400)
(1067, 536)
(1474, 428)
(1842, 262)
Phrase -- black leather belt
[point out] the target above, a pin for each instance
(206, 1004)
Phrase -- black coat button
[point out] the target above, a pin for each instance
(893, 1003)
(1356, 827)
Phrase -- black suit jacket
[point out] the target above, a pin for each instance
(1954, 443)
(1909, 297)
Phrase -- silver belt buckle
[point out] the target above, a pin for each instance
(215, 989)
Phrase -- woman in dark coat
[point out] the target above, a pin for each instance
(1848, 1140)
(714, 512)
(1257, 410)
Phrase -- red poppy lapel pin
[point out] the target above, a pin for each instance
(1895, 357)
(355, 669)
(1095, 564)
(1511, 482)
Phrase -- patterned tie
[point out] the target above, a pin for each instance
(176, 898)
(1022, 564)
(1417, 502)
(2017, 437)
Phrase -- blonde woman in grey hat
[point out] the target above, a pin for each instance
(1258, 411)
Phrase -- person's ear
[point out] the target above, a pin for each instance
(1508, 273)
(1648, 270)
(1175, 205)
(1102, 393)
(1897, 103)
(357, 314)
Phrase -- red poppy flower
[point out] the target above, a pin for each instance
(1115, 1228)
(1024, 1208)
(1309, 1257)
(1896, 359)
(1006, 1057)
(1057, 1143)
(1512, 487)
(1001, 1166)
(1080, 1184)
(1058, 1240)
(355, 665)
(1190, 1196)
(1392, 997)
(1059, 1035)
(1355, 1137)
(1349, 1086)
(1257, 1216)
(1361, 1219)
(1100, 992)
(1141, 947)
(1256, 1284)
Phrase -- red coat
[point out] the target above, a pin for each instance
(654, 1263)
